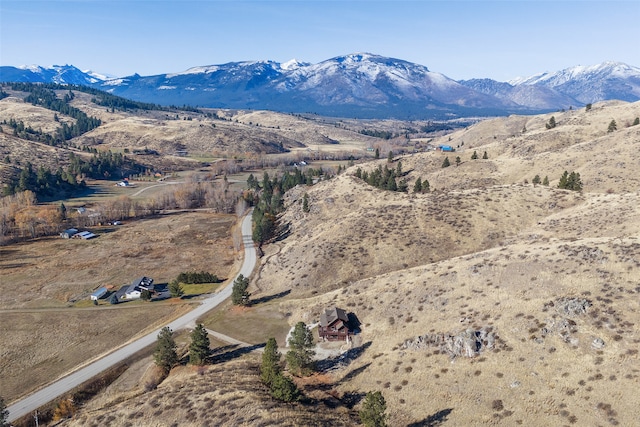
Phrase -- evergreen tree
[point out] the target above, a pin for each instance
(417, 187)
(270, 366)
(283, 388)
(4, 414)
(373, 410)
(536, 180)
(399, 169)
(552, 123)
(636, 121)
(545, 181)
(175, 289)
(458, 161)
(145, 295)
(165, 355)
(445, 163)
(474, 156)
(485, 156)
(305, 203)
(426, 187)
(390, 157)
(588, 107)
(300, 357)
(574, 183)
(563, 180)
(63, 211)
(252, 182)
(239, 294)
(613, 126)
(199, 347)
(377, 155)
(391, 184)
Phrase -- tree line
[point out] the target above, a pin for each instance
(267, 198)
(385, 178)
(44, 96)
(63, 182)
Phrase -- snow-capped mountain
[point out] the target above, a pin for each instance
(355, 85)
(609, 80)
(63, 74)
(573, 86)
(360, 85)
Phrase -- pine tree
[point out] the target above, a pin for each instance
(426, 187)
(536, 180)
(445, 163)
(552, 123)
(485, 156)
(573, 182)
(145, 295)
(300, 357)
(458, 161)
(305, 203)
(399, 169)
(199, 347)
(377, 155)
(165, 354)
(474, 156)
(636, 121)
(391, 184)
(562, 184)
(373, 410)
(545, 181)
(417, 187)
(390, 157)
(270, 366)
(588, 107)
(239, 294)
(175, 289)
(613, 126)
(283, 388)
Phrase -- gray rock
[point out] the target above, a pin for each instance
(597, 343)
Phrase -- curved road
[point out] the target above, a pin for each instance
(63, 385)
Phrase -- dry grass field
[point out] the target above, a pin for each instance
(221, 394)
(484, 253)
(42, 279)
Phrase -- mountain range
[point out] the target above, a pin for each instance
(359, 85)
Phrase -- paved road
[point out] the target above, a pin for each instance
(63, 385)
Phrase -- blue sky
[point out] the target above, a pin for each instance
(461, 39)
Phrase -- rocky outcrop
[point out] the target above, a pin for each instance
(467, 343)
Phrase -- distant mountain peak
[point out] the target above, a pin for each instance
(359, 84)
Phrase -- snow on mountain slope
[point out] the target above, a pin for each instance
(608, 80)
(356, 85)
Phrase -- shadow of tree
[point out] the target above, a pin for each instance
(351, 399)
(344, 359)
(268, 298)
(354, 373)
(233, 353)
(433, 420)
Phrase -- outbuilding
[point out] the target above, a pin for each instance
(69, 233)
(98, 294)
